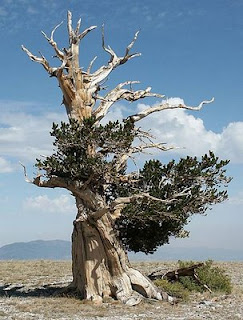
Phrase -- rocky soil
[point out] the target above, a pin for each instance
(26, 292)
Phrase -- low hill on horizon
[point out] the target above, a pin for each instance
(38, 249)
(61, 250)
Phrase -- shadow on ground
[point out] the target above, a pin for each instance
(10, 290)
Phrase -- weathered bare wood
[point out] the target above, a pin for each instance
(103, 72)
(40, 60)
(120, 93)
(167, 106)
(59, 53)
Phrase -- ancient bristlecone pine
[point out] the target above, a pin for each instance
(100, 265)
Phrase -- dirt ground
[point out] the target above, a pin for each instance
(26, 289)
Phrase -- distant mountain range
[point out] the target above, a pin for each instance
(61, 250)
(39, 249)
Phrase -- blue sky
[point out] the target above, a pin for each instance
(191, 50)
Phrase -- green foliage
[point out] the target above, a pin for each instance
(148, 224)
(214, 277)
(88, 153)
(85, 151)
(175, 289)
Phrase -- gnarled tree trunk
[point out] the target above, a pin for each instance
(100, 265)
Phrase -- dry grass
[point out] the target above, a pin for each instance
(33, 274)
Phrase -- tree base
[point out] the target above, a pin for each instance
(101, 269)
(141, 290)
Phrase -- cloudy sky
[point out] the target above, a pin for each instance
(191, 51)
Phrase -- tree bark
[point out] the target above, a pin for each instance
(100, 266)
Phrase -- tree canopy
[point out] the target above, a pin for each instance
(161, 198)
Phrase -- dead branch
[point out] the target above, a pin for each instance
(42, 60)
(59, 53)
(146, 195)
(167, 106)
(103, 72)
(160, 146)
(25, 174)
(120, 93)
(121, 160)
(91, 65)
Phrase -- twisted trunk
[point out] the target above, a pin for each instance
(101, 269)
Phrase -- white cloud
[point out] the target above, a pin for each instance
(237, 199)
(25, 136)
(179, 128)
(5, 166)
(231, 142)
(61, 204)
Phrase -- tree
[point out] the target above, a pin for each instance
(117, 210)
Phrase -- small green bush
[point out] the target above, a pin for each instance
(175, 289)
(214, 277)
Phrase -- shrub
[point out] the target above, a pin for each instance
(175, 289)
(214, 277)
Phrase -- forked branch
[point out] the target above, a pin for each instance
(103, 72)
(52, 182)
(59, 53)
(74, 35)
(121, 159)
(42, 60)
(121, 93)
(122, 201)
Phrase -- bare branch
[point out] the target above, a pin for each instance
(145, 195)
(69, 26)
(86, 31)
(121, 159)
(128, 56)
(160, 146)
(129, 47)
(114, 62)
(166, 106)
(59, 53)
(42, 60)
(91, 65)
(52, 182)
(107, 49)
(78, 26)
(25, 173)
(119, 93)
(131, 177)
(75, 34)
